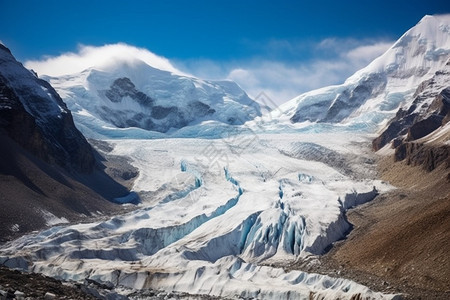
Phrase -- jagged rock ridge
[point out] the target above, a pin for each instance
(33, 115)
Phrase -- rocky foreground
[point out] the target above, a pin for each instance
(19, 285)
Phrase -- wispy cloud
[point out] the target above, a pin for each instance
(366, 53)
(103, 56)
(332, 61)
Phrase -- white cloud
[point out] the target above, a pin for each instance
(282, 81)
(335, 61)
(103, 56)
(366, 53)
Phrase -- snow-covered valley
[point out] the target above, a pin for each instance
(212, 211)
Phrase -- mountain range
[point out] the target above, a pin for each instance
(227, 201)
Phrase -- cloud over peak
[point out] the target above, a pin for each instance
(99, 57)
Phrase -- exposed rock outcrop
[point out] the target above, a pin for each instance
(429, 157)
(151, 116)
(397, 127)
(34, 116)
(429, 112)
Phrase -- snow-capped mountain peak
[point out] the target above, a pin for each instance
(142, 100)
(416, 53)
(374, 93)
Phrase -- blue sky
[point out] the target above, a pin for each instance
(280, 47)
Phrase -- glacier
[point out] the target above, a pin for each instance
(216, 218)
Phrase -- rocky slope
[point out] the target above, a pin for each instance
(49, 173)
(35, 117)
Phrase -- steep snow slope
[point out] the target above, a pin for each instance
(373, 94)
(132, 95)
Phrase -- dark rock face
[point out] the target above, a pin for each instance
(40, 122)
(428, 157)
(157, 118)
(398, 126)
(424, 127)
(123, 87)
(429, 111)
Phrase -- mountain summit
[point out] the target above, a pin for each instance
(373, 94)
(132, 95)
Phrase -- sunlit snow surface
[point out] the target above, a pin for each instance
(213, 212)
(373, 94)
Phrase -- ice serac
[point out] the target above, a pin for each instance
(34, 116)
(132, 94)
(378, 90)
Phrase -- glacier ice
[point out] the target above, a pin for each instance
(202, 228)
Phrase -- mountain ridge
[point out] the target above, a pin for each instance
(375, 92)
(34, 115)
(49, 173)
(161, 101)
